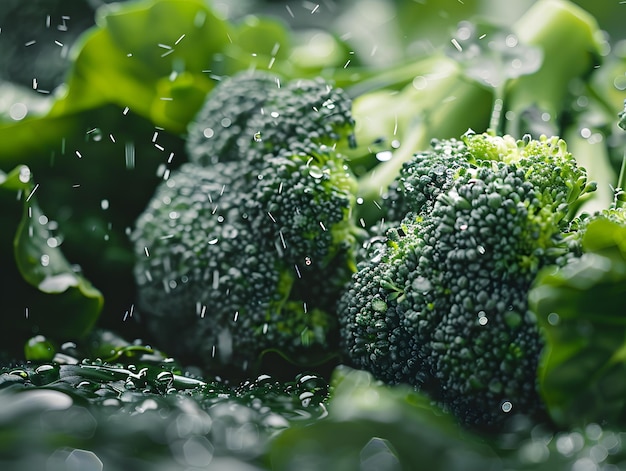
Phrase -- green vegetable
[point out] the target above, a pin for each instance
(580, 308)
(244, 249)
(262, 199)
(374, 426)
(441, 303)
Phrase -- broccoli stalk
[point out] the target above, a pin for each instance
(454, 92)
(569, 38)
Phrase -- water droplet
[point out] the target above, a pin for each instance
(511, 40)
(421, 284)
(46, 374)
(620, 82)
(165, 378)
(553, 318)
(305, 398)
(213, 241)
(68, 346)
(463, 227)
(330, 104)
(315, 171)
(384, 155)
(507, 406)
(307, 260)
(104, 204)
(230, 232)
(257, 136)
(18, 111)
(58, 283)
(25, 174)
(21, 373)
(481, 250)
(226, 122)
(44, 260)
(95, 134)
(274, 114)
(420, 82)
(208, 133)
(83, 459)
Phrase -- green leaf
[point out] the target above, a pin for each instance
(41, 292)
(373, 426)
(154, 57)
(581, 308)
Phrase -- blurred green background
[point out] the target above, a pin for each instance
(37, 36)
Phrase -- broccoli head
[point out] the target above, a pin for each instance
(244, 256)
(442, 304)
(253, 114)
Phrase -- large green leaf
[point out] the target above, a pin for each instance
(41, 292)
(582, 309)
(154, 57)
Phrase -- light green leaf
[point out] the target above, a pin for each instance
(154, 57)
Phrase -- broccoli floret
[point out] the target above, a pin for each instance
(423, 178)
(242, 256)
(254, 114)
(442, 305)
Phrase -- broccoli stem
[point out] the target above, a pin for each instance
(568, 37)
(496, 122)
(451, 104)
(445, 106)
(594, 157)
(619, 200)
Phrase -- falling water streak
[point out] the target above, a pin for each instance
(129, 154)
(32, 192)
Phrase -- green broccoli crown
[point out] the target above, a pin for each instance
(447, 294)
(424, 178)
(254, 114)
(305, 201)
(549, 165)
(245, 255)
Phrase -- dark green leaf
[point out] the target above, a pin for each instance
(371, 426)
(41, 292)
(582, 309)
